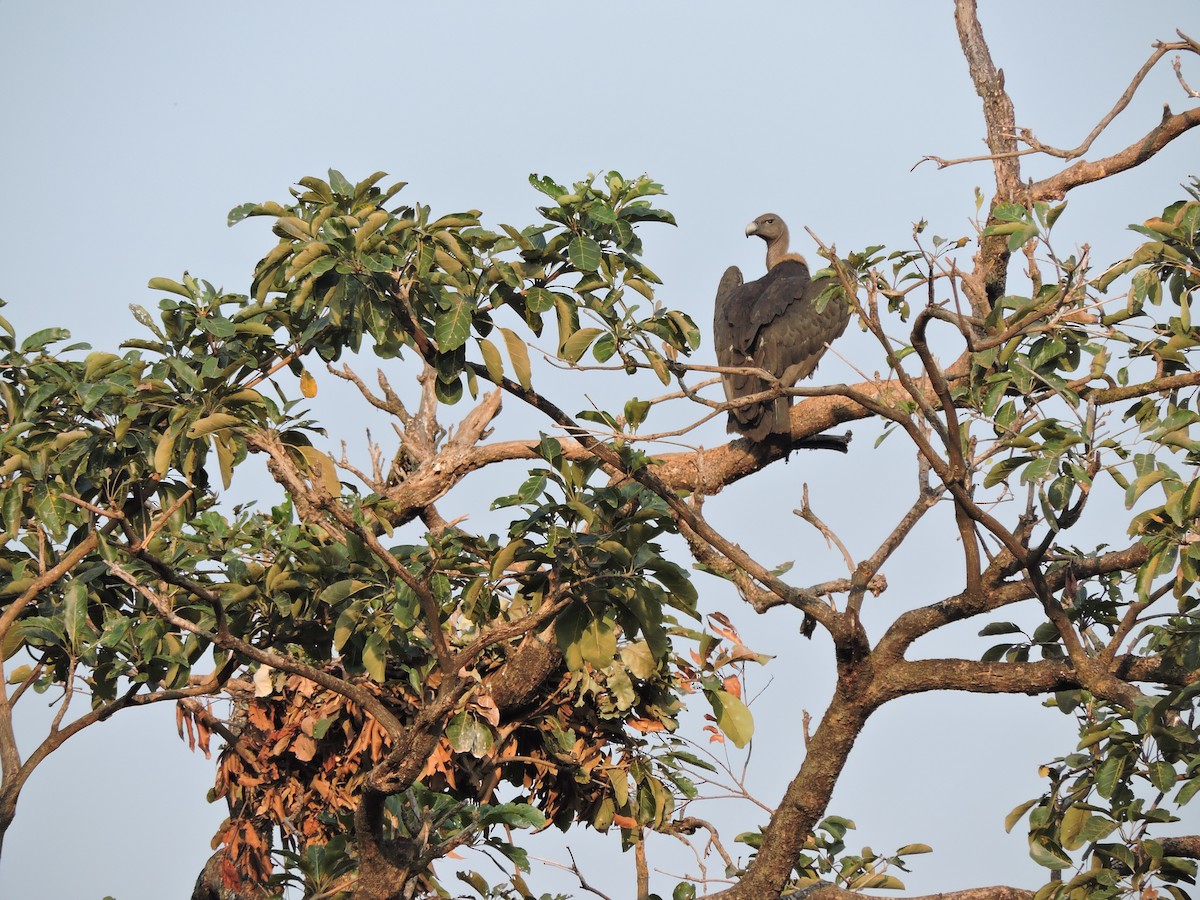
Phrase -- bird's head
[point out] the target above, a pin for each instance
(769, 227)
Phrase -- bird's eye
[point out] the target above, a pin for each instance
(770, 221)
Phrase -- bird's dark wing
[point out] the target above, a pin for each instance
(773, 324)
(779, 291)
(733, 334)
(793, 335)
(724, 315)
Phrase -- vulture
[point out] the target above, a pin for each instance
(772, 324)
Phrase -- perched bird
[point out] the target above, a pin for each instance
(772, 324)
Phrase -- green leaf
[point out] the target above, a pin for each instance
(347, 625)
(514, 815)
(1109, 774)
(877, 881)
(547, 186)
(340, 590)
(375, 657)
(75, 613)
(1003, 469)
(1141, 485)
(1162, 775)
(994, 628)
(448, 392)
(453, 326)
(576, 345)
(836, 826)
(568, 631)
(467, 734)
(584, 253)
(169, 285)
(40, 339)
(605, 348)
(1047, 854)
(620, 783)
(598, 642)
(340, 185)
(639, 659)
(602, 213)
(164, 449)
(622, 689)
(733, 716)
(1187, 792)
(539, 299)
(1017, 814)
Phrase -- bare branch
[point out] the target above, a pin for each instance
(997, 107)
(1160, 50)
(574, 870)
(689, 824)
(866, 574)
(1083, 172)
(832, 540)
(389, 403)
(1187, 88)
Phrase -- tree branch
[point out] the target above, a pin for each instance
(1083, 172)
(832, 892)
(907, 677)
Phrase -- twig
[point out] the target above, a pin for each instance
(1178, 66)
(689, 824)
(573, 868)
(831, 540)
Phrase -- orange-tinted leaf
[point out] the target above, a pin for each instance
(646, 725)
(733, 685)
(202, 737)
(720, 623)
(304, 748)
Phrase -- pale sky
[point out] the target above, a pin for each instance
(130, 129)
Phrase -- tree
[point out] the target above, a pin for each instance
(402, 687)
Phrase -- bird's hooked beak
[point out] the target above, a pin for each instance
(752, 228)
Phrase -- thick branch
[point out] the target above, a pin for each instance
(1187, 846)
(832, 892)
(1039, 677)
(1084, 172)
(915, 623)
(804, 802)
(997, 106)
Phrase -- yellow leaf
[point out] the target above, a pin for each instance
(519, 355)
(209, 424)
(322, 467)
(308, 384)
